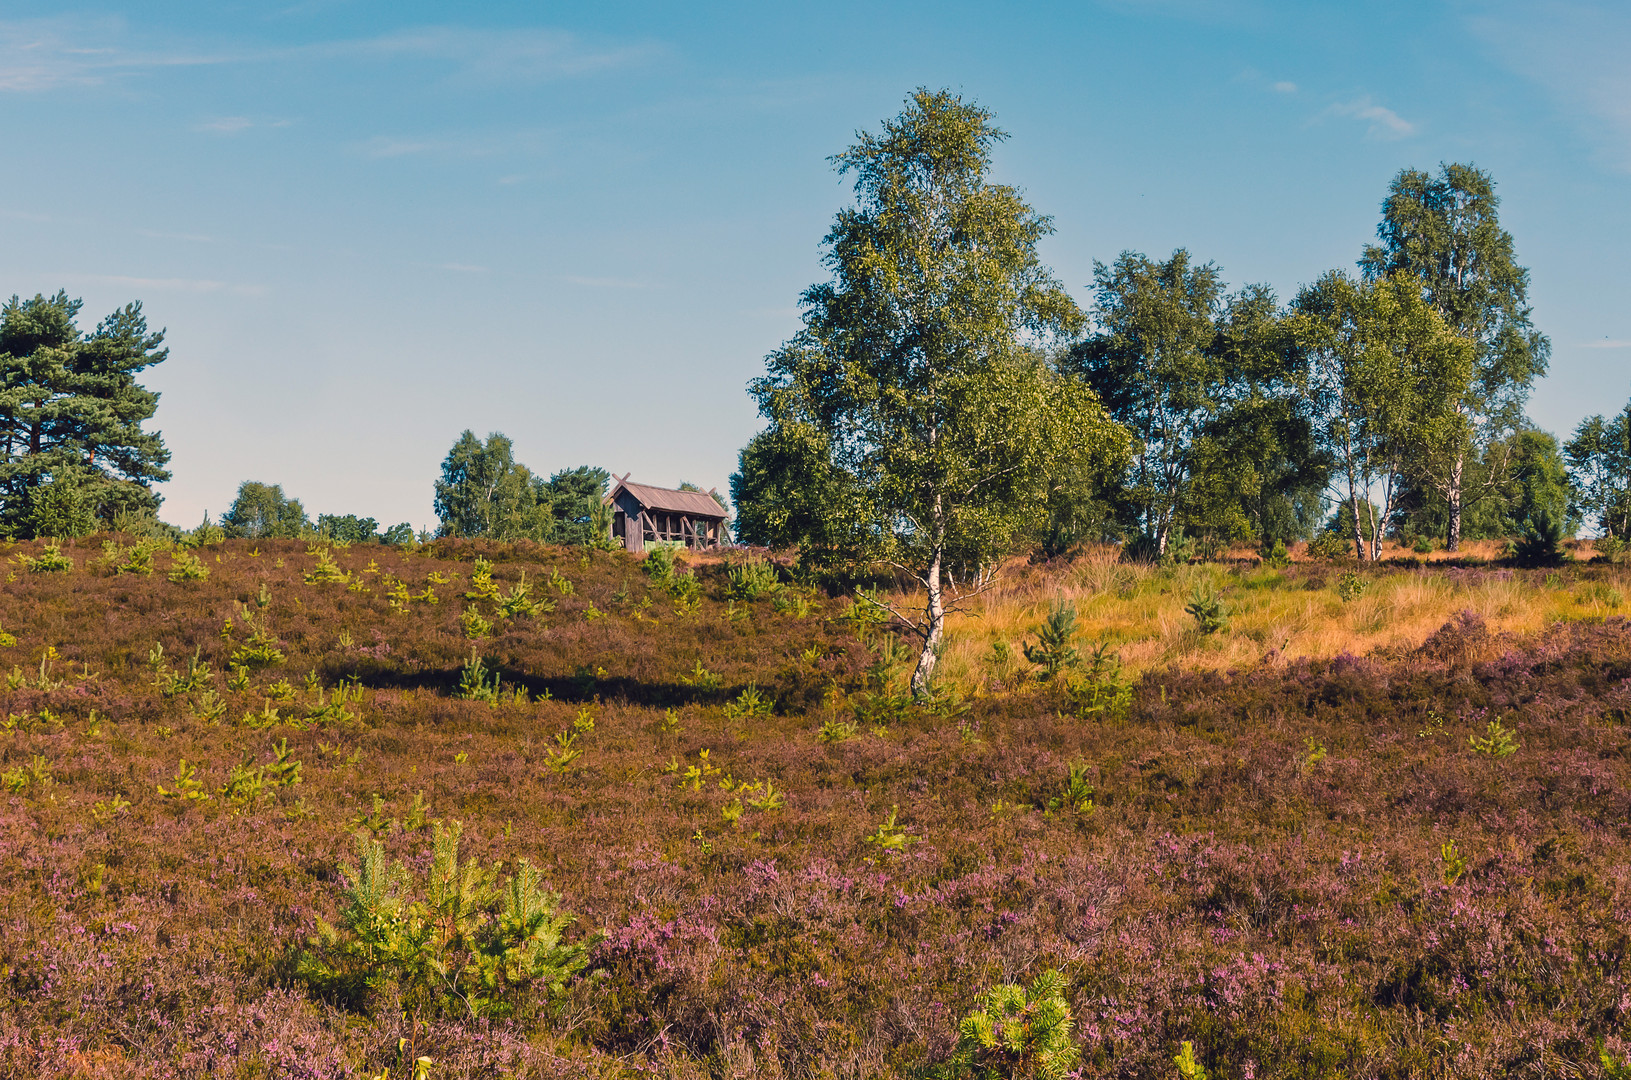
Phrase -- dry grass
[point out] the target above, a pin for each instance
(1273, 614)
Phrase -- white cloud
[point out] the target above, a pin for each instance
(227, 125)
(518, 55)
(1606, 343)
(462, 268)
(1284, 87)
(37, 55)
(1384, 122)
(151, 284)
(194, 238)
(605, 282)
(48, 54)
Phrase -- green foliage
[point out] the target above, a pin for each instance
(1542, 543)
(749, 703)
(61, 507)
(1275, 555)
(1016, 1032)
(474, 682)
(1497, 742)
(1453, 862)
(1206, 607)
(186, 787)
(1599, 462)
(1351, 586)
(326, 571)
(1188, 1067)
(51, 560)
(34, 776)
(185, 566)
(261, 650)
(891, 837)
(71, 416)
(917, 397)
(1102, 692)
(1330, 547)
(659, 564)
(1442, 232)
(351, 529)
(1389, 374)
(1077, 796)
(474, 624)
(834, 730)
(1053, 651)
(263, 512)
(519, 602)
(753, 578)
(464, 944)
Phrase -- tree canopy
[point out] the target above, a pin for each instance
(73, 452)
(1444, 231)
(484, 491)
(919, 400)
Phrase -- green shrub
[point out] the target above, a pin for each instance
(1206, 608)
(1053, 651)
(1188, 1067)
(1329, 547)
(467, 946)
(1015, 1032)
(1351, 586)
(1275, 555)
(1542, 542)
(1498, 741)
(49, 561)
(1077, 796)
(185, 566)
(752, 579)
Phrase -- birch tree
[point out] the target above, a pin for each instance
(1386, 373)
(1444, 231)
(922, 376)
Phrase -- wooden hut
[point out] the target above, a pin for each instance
(642, 515)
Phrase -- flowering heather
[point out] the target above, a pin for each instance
(1304, 867)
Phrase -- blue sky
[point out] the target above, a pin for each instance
(368, 226)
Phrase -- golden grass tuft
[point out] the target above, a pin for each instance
(1284, 614)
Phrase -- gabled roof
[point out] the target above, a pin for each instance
(694, 504)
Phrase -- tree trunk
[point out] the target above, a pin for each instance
(1359, 527)
(933, 630)
(1452, 542)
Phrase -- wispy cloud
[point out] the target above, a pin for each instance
(1575, 50)
(518, 55)
(193, 238)
(605, 282)
(1383, 122)
(1606, 343)
(462, 268)
(37, 55)
(1284, 87)
(152, 284)
(47, 54)
(227, 125)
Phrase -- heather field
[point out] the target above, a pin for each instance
(1373, 826)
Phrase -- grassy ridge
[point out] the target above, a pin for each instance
(1303, 867)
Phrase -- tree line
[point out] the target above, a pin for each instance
(946, 403)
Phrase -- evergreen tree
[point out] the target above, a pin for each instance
(73, 451)
(577, 504)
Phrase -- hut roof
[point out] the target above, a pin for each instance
(693, 504)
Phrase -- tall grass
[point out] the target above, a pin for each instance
(1279, 614)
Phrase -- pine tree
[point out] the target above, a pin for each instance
(71, 416)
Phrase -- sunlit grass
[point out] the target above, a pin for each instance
(1273, 614)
